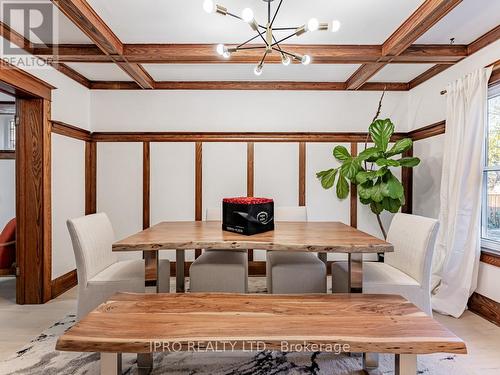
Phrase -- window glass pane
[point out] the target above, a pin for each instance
(493, 142)
(491, 229)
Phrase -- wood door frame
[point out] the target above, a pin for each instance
(33, 183)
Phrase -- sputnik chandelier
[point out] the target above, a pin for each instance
(268, 33)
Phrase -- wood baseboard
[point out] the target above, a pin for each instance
(485, 307)
(63, 283)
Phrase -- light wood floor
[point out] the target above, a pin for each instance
(19, 324)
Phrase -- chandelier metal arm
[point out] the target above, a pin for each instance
(285, 28)
(276, 13)
(263, 58)
(234, 15)
(285, 52)
(249, 40)
(283, 39)
(256, 47)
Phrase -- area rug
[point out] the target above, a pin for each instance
(40, 357)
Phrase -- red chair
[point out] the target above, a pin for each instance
(8, 246)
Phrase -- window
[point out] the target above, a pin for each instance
(491, 175)
(12, 134)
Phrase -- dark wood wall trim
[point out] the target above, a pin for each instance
(302, 174)
(490, 258)
(150, 257)
(71, 131)
(7, 154)
(33, 203)
(198, 189)
(485, 307)
(428, 131)
(21, 84)
(63, 283)
(90, 177)
(407, 181)
(250, 169)
(331, 137)
(354, 193)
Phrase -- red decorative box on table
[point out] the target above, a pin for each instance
(247, 215)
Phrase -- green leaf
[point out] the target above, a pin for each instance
(365, 201)
(380, 132)
(381, 172)
(376, 207)
(327, 178)
(400, 146)
(365, 190)
(350, 168)
(341, 153)
(391, 205)
(368, 153)
(363, 176)
(395, 189)
(409, 162)
(342, 187)
(387, 162)
(377, 192)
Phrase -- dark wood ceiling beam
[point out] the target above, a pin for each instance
(205, 54)
(430, 12)
(484, 40)
(428, 74)
(22, 42)
(71, 73)
(249, 85)
(89, 22)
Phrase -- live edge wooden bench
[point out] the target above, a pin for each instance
(147, 323)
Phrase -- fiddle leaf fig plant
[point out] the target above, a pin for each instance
(371, 171)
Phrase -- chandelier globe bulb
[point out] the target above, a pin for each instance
(209, 6)
(220, 49)
(247, 15)
(306, 60)
(258, 70)
(285, 60)
(312, 24)
(335, 26)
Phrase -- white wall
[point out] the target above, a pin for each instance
(119, 188)
(242, 110)
(427, 106)
(68, 198)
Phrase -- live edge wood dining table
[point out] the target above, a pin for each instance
(318, 237)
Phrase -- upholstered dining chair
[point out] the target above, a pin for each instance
(407, 270)
(223, 271)
(297, 272)
(100, 274)
(8, 247)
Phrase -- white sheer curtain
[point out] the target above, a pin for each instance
(458, 244)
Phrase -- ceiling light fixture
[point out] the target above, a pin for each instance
(267, 33)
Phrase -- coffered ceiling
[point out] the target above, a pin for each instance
(385, 43)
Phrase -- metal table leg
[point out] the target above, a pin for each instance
(355, 270)
(144, 363)
(179, 271)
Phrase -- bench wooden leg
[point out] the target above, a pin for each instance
(179, 271)
(111, 364)
(144, 363)
(406, 364)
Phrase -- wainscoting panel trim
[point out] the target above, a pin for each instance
(63, 283)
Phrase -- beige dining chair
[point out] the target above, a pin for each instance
(100, 274)
(223, 271)
(407, 270)
(297, 272)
